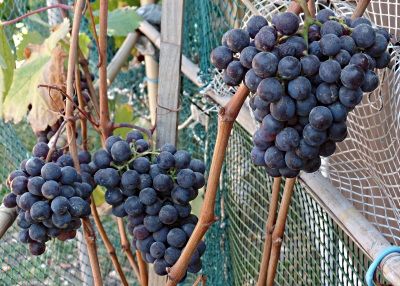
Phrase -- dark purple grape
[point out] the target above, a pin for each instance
(265, 39)
(313, 137)
(251, 80)
(371, 81)
(352, 76)
(254, 25)
(303, 107)
(310, 65)
(236, 39)
(284, 109)
(349, 97)
(289, 67)
(327, 93)
(221, 56)
(324, 15)
(306, 151)
(270, 90)
(287, 139)
(363, 35)
(329, 71)
(327, 149)
(337, 132)
(330, 45)
(274, 158)
(299, 88)
(247, 55)
(331, 27)
(265, 64)
(287, 23)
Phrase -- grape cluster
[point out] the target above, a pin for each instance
(305, 79)
(154, 190)
(51, 197)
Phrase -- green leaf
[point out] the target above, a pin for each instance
(99, 196)
(6, 67)
(24, 88)
(32, 37)
(122, 21)
(84, 42)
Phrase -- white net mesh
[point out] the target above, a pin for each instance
(366, 166)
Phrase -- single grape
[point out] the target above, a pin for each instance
(119, 210)
(254, 25)
(113, 196)
(329, 71)
(306, 151)
(299, 88)
(185, 178)
(120, 151)
(163, 183)
(180, 195)
(176, 237)
(172, 255)
(299, 45)
(260, 142)
(50, 189)
(314, 33)
(165, 160)
(148, 196)
(270, 127)
(371, 81)
(23, 236)
(235, 71)
(34, 165)
(352, 76)
(102, 159)
(360, 60)
(65, 160)
(152, 223)
(339, 111)
(383, 32)
(303, 107)
(379, 46)
(160, 266)
(286, 49)
(274, 158)
(140, 232)
(383, 61)
(284, 109)
(169, 148)
(110, 141)
(130, 180)
(145, 181)
(38, 232)
(320, 118)
(9, 200)
(270, 90)
(182, 159)
(142, 145)
(200, 181)
(287, 23)
(349, 97)
(157, 249)
(236, 39)
(61, 221)
(221, 56)
(289, 67)
(310, 65)
(330, 45)
(133, 206)
(84, 157)
(161, 234)
(26, 201)
(287, 139)
(337, 132)
(257, 156)
(37, 248)
(327, 93)
(251, 80)
(313, 137)
(168, 214)
(312, 165)
(78, 207)
(68, 175)
(343, 58)
(108, 177)
(327, 149)
(40, 150)
(261, 104)
(247, 55)
(133, 136)
(265, 39)
(363, 35)
(347, 43)
(324, 15)
(183, 210)
(315, 49)
(265, 64)
(67, 191)
(331, 27)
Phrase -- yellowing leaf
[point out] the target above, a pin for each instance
(24, 88)
(98, 196)
(6, 67)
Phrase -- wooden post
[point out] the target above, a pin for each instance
(169, 84)
(7, 217)
(170, 66)
(151, 78)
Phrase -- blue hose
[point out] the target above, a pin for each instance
(369, 276)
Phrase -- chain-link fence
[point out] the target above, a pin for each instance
(315, 250)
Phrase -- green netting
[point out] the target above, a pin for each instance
(315, 250)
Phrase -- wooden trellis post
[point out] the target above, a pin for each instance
(169, 83)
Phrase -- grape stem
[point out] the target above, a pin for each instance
(88, 231)
(37, 11)
(226, 119)
(56, 136)
(106, 126)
